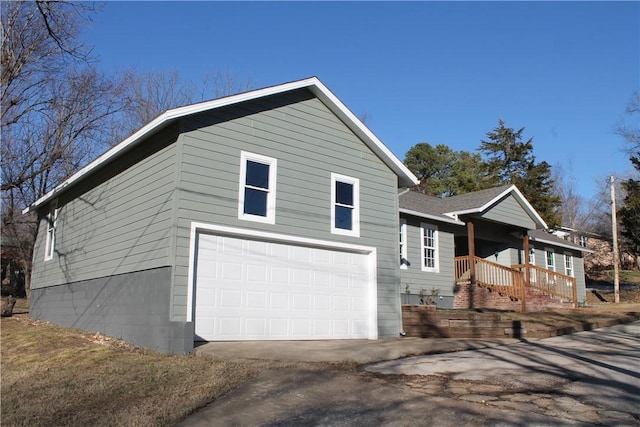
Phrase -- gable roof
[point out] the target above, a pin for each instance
(469, 203)
(313, 84)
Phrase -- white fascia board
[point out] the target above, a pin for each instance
(162, 120)
(407, 178)
(512, 189)
(431, 217)
(562, 245)
(313, 83)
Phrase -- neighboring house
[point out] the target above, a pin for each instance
(436, 245)
(600, 256)
(271, 214)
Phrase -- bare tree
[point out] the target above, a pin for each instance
(56, 109)
(572, 204)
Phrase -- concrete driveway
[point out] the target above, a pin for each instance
(588, 378)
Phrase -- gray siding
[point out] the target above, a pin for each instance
(121, 225)
(413, 276)
(130, 306)
(309, 142)
(509, 211)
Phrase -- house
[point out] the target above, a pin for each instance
(271, 214)
(443, 241)
(274, 215)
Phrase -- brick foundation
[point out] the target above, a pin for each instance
(477, 297)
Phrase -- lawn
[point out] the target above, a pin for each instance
(59, 376)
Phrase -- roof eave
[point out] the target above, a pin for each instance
(560, 244)
(431, 217)
(512, 188)
(406, 178)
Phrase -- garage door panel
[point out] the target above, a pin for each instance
(249, 289)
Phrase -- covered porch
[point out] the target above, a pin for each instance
(518, 280)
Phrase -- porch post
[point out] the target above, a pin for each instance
(527, 273)
(472, 252)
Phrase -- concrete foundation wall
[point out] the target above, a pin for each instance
(133, 307)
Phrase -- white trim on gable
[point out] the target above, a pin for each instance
(313, 84)
(518, 195)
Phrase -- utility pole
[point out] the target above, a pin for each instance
(614, 230)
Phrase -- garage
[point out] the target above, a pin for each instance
(247, 289)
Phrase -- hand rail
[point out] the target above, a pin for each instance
(551, 283)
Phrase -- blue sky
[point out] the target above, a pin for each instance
(437, 72)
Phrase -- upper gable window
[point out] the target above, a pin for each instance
(52, 223)
(345, 205)
(257, 194)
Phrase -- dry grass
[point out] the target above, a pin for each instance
(59, 376)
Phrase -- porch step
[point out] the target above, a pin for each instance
(426, 323)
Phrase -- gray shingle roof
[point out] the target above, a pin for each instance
(545, 237)
(474, 202)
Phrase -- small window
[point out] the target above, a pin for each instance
(551, 262)
(52, 223)
(257, 197)
(568, 264)
(429, 238)
(345, 209)
(403, 244)
(583, 241)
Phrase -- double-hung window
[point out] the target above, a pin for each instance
(257, 194)
(568, 264)
(429, 243)
(551, 262)
(345, 205)
(52, 223)
(403, 244)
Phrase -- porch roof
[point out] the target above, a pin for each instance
(551, 239)
(476, 202)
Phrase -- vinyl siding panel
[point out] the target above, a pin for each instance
(509, 211)
(117, 223)
(413, 276)
(309, 143)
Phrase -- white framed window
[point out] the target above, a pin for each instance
(52, 224)
(257, 193)
(403, 244)
(568, 264)
(550, 259)
(583, 241)
(429, 246)
(345, 205)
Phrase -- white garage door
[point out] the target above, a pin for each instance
(256, 290)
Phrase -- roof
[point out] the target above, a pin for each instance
(469, 203)
(313, 84)
(424, 206)
(543, 236)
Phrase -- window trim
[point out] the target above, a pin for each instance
(52, 225)
(548, 251)
(355, 209)
(569, 257)
(436, 255)
(270, 217)
(403, 243)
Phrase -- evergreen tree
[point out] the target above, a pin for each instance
(444, 172)
(510, 160)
